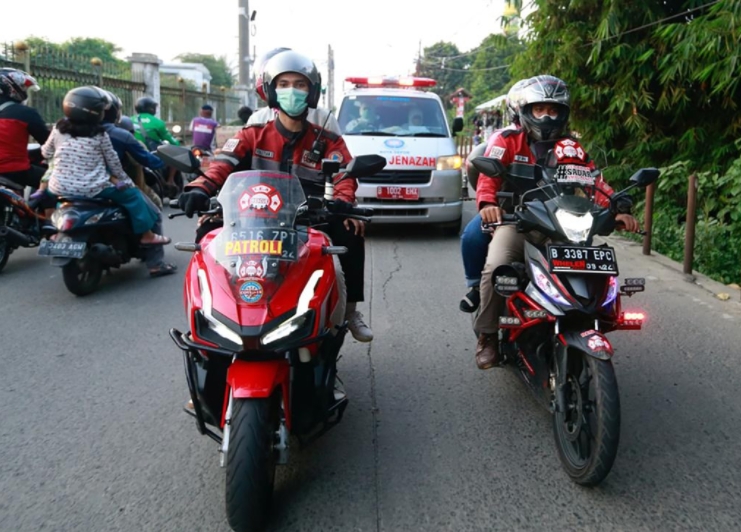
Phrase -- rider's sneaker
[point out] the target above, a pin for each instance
(471, 301)
(360, 331)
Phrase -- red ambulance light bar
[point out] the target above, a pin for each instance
(379, 81)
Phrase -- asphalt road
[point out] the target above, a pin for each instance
(93, 437)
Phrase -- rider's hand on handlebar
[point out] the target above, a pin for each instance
(194, 200)
(627, 222)
(491, 214)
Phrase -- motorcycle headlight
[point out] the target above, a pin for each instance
(304, 317)
(576, 227)
(206, 311)
(449, 162)
(546, 286)
(612, 291)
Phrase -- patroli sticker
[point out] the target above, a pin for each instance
(230, 145)
(574, 173)
(253, 247)
(261, 197)
(497, 152)
(251, 292)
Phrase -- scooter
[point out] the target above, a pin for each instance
(93, 235)
(262, 300)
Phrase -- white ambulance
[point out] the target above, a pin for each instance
(422, 181)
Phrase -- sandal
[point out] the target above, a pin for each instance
(163, 269)
(159, 240)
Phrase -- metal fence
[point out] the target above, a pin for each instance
(58, 72)
(181, 105)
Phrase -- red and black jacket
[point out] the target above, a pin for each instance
(17, 122)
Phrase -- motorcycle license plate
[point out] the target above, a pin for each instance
(398, 193)
(582, 259)
(73, 250)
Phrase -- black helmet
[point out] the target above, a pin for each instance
(543, 89)
(290, 61)
(145, 104)
(86, 104)
(15, 84)
(125, 123)
(113, 113)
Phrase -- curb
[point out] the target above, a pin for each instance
(703, 281)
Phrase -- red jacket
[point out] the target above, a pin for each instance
(17, 122)
(510, 146)
(271, 146)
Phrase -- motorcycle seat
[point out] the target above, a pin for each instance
(86, 199)
(7, 183)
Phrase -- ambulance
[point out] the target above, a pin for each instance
(398, 119)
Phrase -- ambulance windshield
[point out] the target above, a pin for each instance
(398, 116)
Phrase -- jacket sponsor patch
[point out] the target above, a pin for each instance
(306, 159)
(230, 145)
(264, 153)
(521, 158)
(497, 152)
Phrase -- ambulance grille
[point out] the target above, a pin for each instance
(399, 177)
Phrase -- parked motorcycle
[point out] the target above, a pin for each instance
(560, 303)
(261, 353)
(93, 235)
(20, 224)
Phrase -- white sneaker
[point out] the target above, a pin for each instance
(360, 331)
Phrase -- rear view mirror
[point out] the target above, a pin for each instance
(645, 177)
(489, 166)
(457, 125)
(180, 158)
(365, 165)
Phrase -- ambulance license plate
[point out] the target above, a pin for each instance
(398, 193)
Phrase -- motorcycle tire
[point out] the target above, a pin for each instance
(82, 277)
(588, 433)
(5, 251)
(251, 462)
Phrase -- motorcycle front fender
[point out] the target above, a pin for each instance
(592, 343)
(257, 379)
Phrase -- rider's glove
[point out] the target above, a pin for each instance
(342, 207)
(194, 200)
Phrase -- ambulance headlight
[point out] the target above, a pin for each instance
(449, 162)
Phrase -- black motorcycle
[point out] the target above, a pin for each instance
(20, 224)
(560, 303)
(93, 235)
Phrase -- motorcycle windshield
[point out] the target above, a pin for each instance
(259, 209)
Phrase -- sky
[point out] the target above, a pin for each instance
(368, 38)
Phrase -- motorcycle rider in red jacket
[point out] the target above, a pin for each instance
(292, 85)
(544, 107)
(17, 122)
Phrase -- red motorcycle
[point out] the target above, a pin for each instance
(262, 299)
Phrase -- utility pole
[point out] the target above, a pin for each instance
(330, 77)
(244, 42)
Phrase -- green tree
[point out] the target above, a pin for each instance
(490, 71)
(221, 73)
(649, 88)
(89, 47)
(444, 63)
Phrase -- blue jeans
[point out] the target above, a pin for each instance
(143, 215)
(474, 247)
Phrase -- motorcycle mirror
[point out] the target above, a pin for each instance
(179, 157)
(365, 165)
(489, 166)
(645, 177)
(330, 167)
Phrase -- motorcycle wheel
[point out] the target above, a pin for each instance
(251, 461)
(82, 277)
(588, 432)
(4, 253)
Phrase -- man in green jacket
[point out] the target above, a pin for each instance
(152, 132)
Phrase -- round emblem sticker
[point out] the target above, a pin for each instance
(250, 292)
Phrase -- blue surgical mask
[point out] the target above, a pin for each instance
(292, 101)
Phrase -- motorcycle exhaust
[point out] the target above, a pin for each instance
(104, 254)
(509, 278)
(16, 238)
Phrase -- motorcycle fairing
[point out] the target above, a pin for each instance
(258, 380)
(590, 342)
